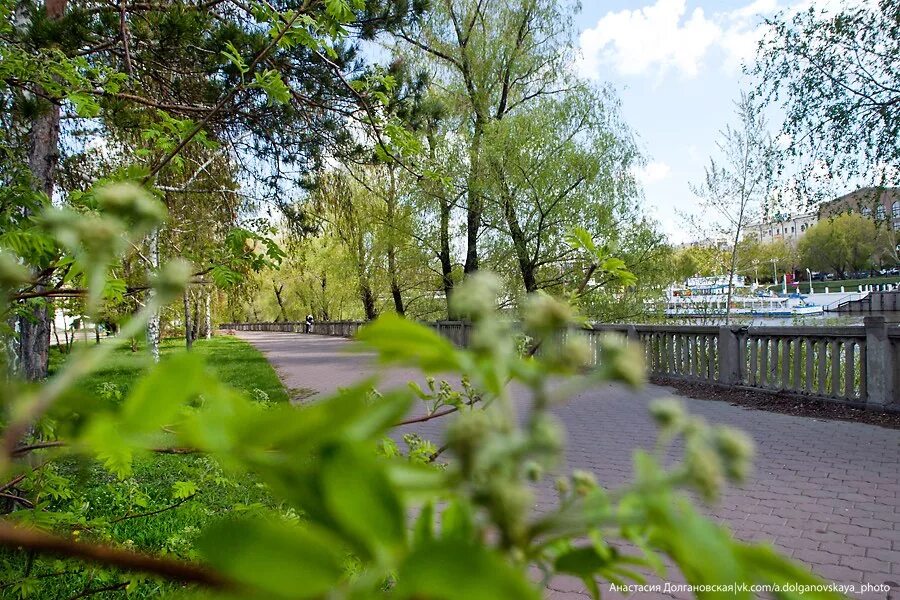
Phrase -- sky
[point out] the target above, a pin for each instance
(676, 65)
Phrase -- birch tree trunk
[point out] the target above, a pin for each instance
(207, 331)
(153, 323)
(188, 337)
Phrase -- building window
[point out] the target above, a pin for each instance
(879, 212)
(895, 209)
(866, 211)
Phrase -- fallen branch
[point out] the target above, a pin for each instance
(23, 501)
(21, 450)
(12, 536)
(12, 483)
(109, 588)
(152, 512)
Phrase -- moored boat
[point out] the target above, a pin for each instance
(709, 297)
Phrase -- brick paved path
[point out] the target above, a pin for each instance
(826, 492)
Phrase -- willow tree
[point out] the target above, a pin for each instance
(491, 58)
(566, 162)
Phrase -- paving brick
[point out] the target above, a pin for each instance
(827, 492)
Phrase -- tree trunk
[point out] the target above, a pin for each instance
(43, 153)
(324, 281)
(526, 265)
(34, 341)
(443, 252)
(368, 300)
(392, 246)
(282, 315)
(474, 205)
(207, 330)
(153, 323)
(188, 338)
(195, 320)
(444, 256)
(395, 285)
(55, 332)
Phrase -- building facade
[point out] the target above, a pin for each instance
(788, 229)
(879, 203)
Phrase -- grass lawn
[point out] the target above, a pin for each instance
(92, 493)
(850, 285)
(234, 361)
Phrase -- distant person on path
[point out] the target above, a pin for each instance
(309, 322)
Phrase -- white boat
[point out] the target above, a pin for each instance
(708, 297)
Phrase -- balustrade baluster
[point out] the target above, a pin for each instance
(835, 368)
(849, 369)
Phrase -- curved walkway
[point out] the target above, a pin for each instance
(826, 492)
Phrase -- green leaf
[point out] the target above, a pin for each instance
(579, 238)
(380, 415)
(234, 57)
(401, 341)
(423, 531)
(583, 562)
(765, 565)
(457, 570)
(360, 498)
(280, 559)
(104, 439)
(457, 521)
(273, 85)
(159, 396)
(338, 10)
(183, 489)
(85, 104)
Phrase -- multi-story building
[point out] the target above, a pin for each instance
(879, 203)
(787, 228)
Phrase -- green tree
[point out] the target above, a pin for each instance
(491, 59)
(269, 84)
(840, 244)
(835, 74)
(736, 185)
(564, 163)
(700, 260)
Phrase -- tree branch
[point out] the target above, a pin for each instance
(12, 536)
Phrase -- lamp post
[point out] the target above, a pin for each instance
(808, 272)
(774, 271)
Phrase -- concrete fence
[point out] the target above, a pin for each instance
(858, 365)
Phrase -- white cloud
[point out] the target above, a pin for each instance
(653, 172)
(667, 36)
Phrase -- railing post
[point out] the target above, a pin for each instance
(727, 350)
(880, 368)
(631, 334)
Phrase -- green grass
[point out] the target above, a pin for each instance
(94, 494)
(234, 362)
(850, 285)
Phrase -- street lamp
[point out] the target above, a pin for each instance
(808, 272)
